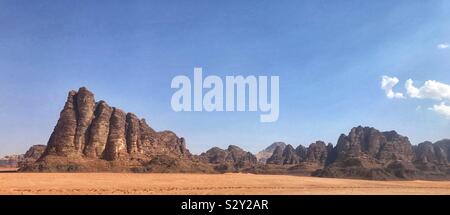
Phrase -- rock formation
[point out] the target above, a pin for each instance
(368, 153)
(316, 153)
(229, 160)
(433, 158)
(92, 136)
(364, 153)
(277, 156)
(263, 155)
(34, 152)
(299, 161)
(32, 155)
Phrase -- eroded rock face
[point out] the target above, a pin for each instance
(277, 156)
(62, 140)
(287, 156)
(133, 134)
(231, 159)
(433, 158)
(34, 152)
(98, 135)
(32, 155)
(265, 154)
(116, 147)
(302, 152)
(290, 155)
(366, 142)
(317, 153)
(368, 153)
(444, 146)
(89, 134)
(85, 106)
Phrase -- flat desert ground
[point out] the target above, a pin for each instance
(236, 183)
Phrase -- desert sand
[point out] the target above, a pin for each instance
(161, 183)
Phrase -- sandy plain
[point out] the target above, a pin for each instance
(235, 183)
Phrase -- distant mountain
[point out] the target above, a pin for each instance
(370, 154)
(364, 153)
(263, 155)
(10, 161)
(15, 161)
(433, 158)
(229, 160)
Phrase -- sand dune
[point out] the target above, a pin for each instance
(132, 183)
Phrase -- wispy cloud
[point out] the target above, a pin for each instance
(387, 84)
(442, 109)
(443, 46)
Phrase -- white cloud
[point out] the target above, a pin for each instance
(387, 84)
(442, 109)
(443, 46)
(430, 90)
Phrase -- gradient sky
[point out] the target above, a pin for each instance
(330, 56)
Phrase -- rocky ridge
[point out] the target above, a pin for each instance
(92, 136)
(232, 159)
(263, 155)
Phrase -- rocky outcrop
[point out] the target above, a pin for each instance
(85, 106)
(133, 134)
(231, 159)
(298, 161)
(32, 155)
(315, 154)
(99, 131)
(290, 155)
(62, 140)
(88, 135)
(34, 152)
(368, 143)
(302, 152)
(116, 147)
(364, 153)
(368, 153)
(265, 154)
(433, 158)
(277, 156)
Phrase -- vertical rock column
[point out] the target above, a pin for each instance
(116, 144)
(133, 134)
(99, 130)
(61, 141)
(85, 110)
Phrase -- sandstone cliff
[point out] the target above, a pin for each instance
(265, 154)
(370, 154)
(92, 136)
(231, 159)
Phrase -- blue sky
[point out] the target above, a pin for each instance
(330, 56)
